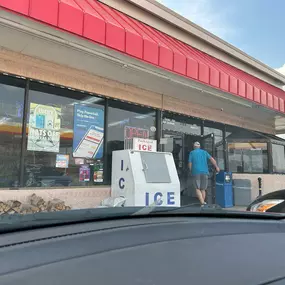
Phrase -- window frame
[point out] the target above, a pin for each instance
(272, 159)
(126, 107)
(55, 90)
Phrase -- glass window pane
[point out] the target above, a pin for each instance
(248, 157)
(278, 156)
(220, 156)
(180, 132)
(236, 133)
(125, 122)
(235, 158)
(181, 124)
(218, 133)
(64, 139)
(11, 120)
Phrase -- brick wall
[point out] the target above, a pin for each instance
(77, 198)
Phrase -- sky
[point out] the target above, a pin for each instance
(254, 26)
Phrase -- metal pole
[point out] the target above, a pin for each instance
(106, 174)
(225, 147)
(270, 157)
(202, 128)
(159, 129)
(24, 134)
(259, 186)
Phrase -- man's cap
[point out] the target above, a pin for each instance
(196, 144)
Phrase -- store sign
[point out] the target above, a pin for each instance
(62, 161)
(88, 132)
(133, 132)
(144, 144)
(44, 128)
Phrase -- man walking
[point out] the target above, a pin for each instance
(198, 165)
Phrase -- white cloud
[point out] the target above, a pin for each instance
(281, 69)
(204, 14)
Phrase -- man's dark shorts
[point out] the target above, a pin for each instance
(200, 181)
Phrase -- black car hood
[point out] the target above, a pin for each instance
(280, 194)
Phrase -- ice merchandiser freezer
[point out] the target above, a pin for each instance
(145, 178)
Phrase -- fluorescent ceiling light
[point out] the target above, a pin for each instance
(87, 101)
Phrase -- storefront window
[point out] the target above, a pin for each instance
(278, 157)
(251, 157)
(64, 138)
(12, 94)
(125, 122)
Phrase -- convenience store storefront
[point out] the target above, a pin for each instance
(61, 80)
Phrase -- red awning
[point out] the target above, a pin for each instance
(97, 22)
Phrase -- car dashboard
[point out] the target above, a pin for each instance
(154, 250)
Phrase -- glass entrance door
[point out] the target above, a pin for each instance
(180, 145)
(208, 144)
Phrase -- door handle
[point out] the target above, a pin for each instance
(145, 167)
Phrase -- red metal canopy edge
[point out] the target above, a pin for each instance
(99, 23)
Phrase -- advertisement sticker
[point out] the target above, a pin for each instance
(88, 132)
(62, 161)
(98, 172)
(79, 161)
(44, 128)
(84, 173)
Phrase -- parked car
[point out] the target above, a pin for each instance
(273, 202)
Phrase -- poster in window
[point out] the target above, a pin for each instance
(79, 161)
(62, 161)
(98, 172)
(84, 173)
(44, 128)
(88, 132)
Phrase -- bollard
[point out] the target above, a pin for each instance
(259, 186)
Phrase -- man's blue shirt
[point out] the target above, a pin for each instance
(199, 159)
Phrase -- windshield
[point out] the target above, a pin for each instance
(139, 116)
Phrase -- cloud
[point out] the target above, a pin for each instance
(205, 14)
(281, 69)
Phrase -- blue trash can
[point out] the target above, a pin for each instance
(224, 189)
